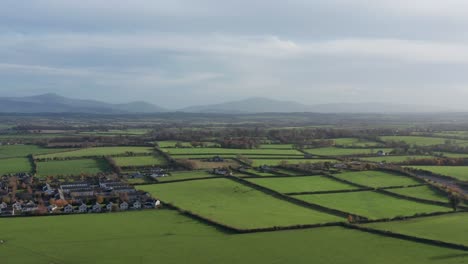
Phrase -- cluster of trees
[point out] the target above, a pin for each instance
(240, 143)
(437, 162)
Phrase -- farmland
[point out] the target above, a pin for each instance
(235, 205)
(459, 172)
(183, 240)
(184, 175)
(221, 151)
(377, 178)
(302, 184)
(420, 141)
(331, 151)
(371, 204)
(95, 152)
(14, 151)
(422, 192)
(449, 228)
(395, 159)
(275, 162)
(15, 165)
(349, 142)
(139, 161)
(71, 167)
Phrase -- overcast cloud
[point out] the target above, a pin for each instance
(179, 53)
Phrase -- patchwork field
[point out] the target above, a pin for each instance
(355, 142)
(331, 151)
(199, 243)
(14, 165)
(371, 204)
(377, 179)
(449, 228)
(236, 205)
(71, 167)
(221, 151)
(276, 146)
(420, 141)
(139, 161)
(302, 184)
(15, 151)
(394, 159)
(459, 172)
(422, 192)
(183, 175)
(98, 151)
(276, 162)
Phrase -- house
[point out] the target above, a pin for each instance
(97, 208)
(83, 208)
(216, 159)
(381, 153)
(29, 207)
(137, 175)
(3, 205)
(137, 205)
(265, 168)
(222, 172)
(157, 204)
(109, 206)
(157, 172)
(48, 190)
(17, 206)
(340, 166)
(68, 209)
(52, 208)
(123, 206)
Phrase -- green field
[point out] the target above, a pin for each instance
(168, 237)
(377, 179)
(459, 172)
(420, 141)
(275, 162)
(183, 175)
(449, 228)
(236, 205)
(221, 151)
(15, 151)
(140, 161)
(14, 165)
(276, 146)
(98, 151)
(302, 184)
(371, 204)
(454, 155)
(422, 192)
(394, 159)
(355, 142)
(331, 151)
(71, 167)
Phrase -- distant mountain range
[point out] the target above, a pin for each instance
(53, 103)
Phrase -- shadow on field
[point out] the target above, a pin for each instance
(451, 256)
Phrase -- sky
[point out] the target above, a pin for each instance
(180, 53)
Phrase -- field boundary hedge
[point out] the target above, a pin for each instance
(386, 233)
(293, 200)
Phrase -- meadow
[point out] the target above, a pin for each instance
(276, 146)
(371, 204)
(276, 162)
(168, 237)
(422, 192)
(377, 179)
(221, 151)
(302, 184)
(15, 151)
(356, 142)
(184, 175)
(140, 161)
(395, 159)
(459, 172)
(449, 228)
(96, 152)
(331, 151)
(235, 205)
(72, 167)
(15, 165)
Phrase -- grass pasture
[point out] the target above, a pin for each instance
(302, 184)
(140, 161)
(16, 151)
(459, 172)
(422, 192)
(276, 146)
(450, 228)
(332, 151)
(395, 159)
(188, 241)
(222, 151)
(276, 162)
(371, 204)
(236, 205)
(184, 175)
(14, 165)
(71, 167)
(377, 179)
(97, 152)
(356, 142)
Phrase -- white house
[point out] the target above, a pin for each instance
(97, 208)
(17, 206)
(109, 206)
(123, 206)
(3, 205)
(83, 208)
(137, 205)
(68, 209)
(157, 204)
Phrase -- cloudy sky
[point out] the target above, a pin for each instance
(188, 52)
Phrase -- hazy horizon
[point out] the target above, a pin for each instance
(184, 53)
